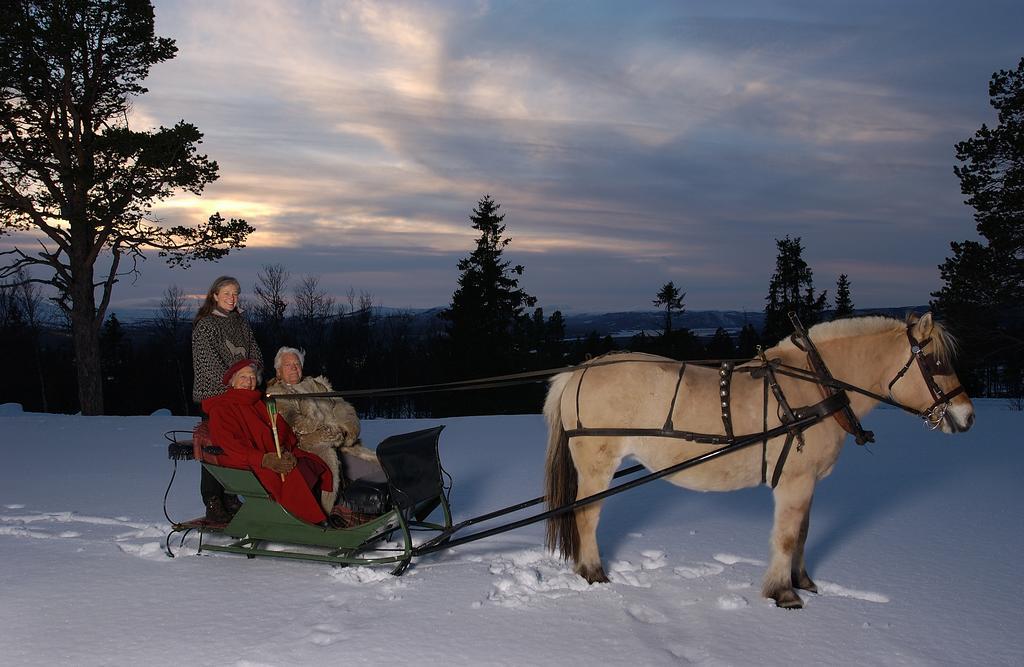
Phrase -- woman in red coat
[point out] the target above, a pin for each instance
(240, 425)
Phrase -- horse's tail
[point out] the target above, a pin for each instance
(560, 480)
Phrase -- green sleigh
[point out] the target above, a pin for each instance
(262, 527)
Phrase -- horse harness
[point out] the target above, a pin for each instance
(930, 368)
(794, 421)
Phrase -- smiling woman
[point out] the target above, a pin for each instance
(221, 337)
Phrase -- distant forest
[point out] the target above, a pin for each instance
(148, 362)
(357, 345)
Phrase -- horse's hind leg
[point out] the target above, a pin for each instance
(801, 579)
(792, 507)
(595, 461)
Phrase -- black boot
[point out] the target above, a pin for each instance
(231, 503)
(215, 512)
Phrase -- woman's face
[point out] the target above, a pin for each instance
(244, 379)
(226, 297)
(291, 369)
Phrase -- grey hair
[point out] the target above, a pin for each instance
(300, 354)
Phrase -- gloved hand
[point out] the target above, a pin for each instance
(282, 465)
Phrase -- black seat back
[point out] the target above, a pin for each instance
(412, 465)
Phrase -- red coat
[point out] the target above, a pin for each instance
(240, 425)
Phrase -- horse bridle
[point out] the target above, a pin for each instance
(930, 369)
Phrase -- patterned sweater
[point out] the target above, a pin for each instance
(217, 342)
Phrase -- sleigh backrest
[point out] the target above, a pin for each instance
(412, 466)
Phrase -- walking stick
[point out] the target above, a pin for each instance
(272, 409)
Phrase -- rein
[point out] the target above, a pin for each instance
(930, 369)
(794, 420)
(835, 404)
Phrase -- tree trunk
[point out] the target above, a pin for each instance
(85, 334)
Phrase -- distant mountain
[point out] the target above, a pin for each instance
(701, 322)
(629, 323)
(624, 324)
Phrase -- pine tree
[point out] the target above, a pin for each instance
(671, 297)
(844, 304)
(488, 305)
(721, 346)
(984, 280)
(748, 341)
(791, 290)
(76, 175)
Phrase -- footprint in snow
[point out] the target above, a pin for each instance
(830, 589)
(737, 585)
(359, 574)
(18, 531)
(646, 614)
(624, 572)
(325, 635)
(698, 570)
(730, 559)
(688, 654)
(148, 550)
(653, 560)
(526, 576)
(732, 601)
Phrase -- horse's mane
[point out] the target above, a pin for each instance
(943, 343)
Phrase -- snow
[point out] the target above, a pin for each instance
(915, 546)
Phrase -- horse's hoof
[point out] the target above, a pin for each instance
(789, 600)
(804, 583)
(593, 575)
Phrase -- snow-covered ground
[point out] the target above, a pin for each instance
(915, 546)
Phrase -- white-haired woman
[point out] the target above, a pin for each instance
(327, 427)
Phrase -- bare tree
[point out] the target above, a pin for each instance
(359, 305)
(311, 302)
(271, 281)
(313, 307)
(30, 300)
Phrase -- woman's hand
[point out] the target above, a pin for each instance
(282, 464)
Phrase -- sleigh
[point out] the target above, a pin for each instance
(415, 489)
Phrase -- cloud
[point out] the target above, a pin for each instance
(628, 144)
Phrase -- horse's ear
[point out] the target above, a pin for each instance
(923, 327)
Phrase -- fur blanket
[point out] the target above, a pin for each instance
(322, 425)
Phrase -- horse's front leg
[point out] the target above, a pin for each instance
(801, 579)
(792, 508)
(595, 464)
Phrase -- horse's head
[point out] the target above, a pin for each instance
(927, 382)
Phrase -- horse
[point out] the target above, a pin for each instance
(645, 392)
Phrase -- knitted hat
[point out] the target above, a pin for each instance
(237, 366)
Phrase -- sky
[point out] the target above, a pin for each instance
(628, 144)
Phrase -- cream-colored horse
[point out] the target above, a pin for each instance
(635, 391)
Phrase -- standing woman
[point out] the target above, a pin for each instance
(220, 338)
